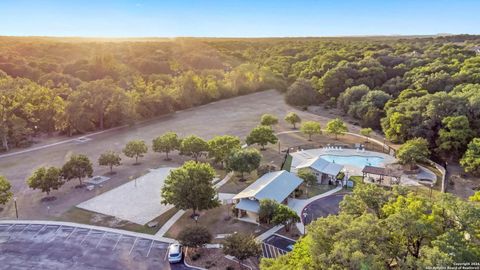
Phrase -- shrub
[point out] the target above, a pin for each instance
(196, 256)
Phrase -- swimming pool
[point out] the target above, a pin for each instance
(357, 161)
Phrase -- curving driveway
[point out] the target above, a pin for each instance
(322, 207)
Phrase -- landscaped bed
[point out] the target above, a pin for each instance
(214, 259)
(219, 221)
(294, 233)
(315, 190)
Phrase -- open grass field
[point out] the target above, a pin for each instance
(236, 116)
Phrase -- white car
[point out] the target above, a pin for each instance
(175, 253)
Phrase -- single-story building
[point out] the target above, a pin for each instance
(325, 171)
(277, 186)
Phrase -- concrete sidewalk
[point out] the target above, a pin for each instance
(268, 233)
(164, 229)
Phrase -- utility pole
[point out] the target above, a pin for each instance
(16, 208)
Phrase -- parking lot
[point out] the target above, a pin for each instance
(276, 245)
(55, 246)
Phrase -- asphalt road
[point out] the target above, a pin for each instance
(46, 247)
(323, 207)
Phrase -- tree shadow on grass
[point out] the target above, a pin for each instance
(48, 199)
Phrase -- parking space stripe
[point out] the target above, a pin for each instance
(11, 227)
(276, 251)
(133, 246)
(101, 238)
(151, 245)
(279, 252)
(272, 250)
(263, 250)
(58, 229)
(24, 228)
(166, 253)
(270, 253)
(85, 237)
(7, 228)
(66, 239)
(118, 240)
(44, 226)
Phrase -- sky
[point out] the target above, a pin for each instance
(242, 18)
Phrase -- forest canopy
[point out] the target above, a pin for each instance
(388, 83)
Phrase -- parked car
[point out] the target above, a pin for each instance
(175, 253)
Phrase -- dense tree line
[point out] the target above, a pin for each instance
(388, 84)
(404, 87)
(48, 85)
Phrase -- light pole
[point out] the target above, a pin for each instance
(16, 208)
(305, 214)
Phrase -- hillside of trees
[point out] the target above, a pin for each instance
(402, 87)
(405, 87)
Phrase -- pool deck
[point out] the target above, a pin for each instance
(301, 156)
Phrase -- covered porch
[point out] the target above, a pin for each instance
(248, 210)
(380, 176)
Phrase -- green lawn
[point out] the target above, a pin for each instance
(316, 189)
(235, 184)
(288, 163)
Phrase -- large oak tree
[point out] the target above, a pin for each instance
(191, 187)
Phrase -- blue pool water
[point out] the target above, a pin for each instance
(357, 161)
